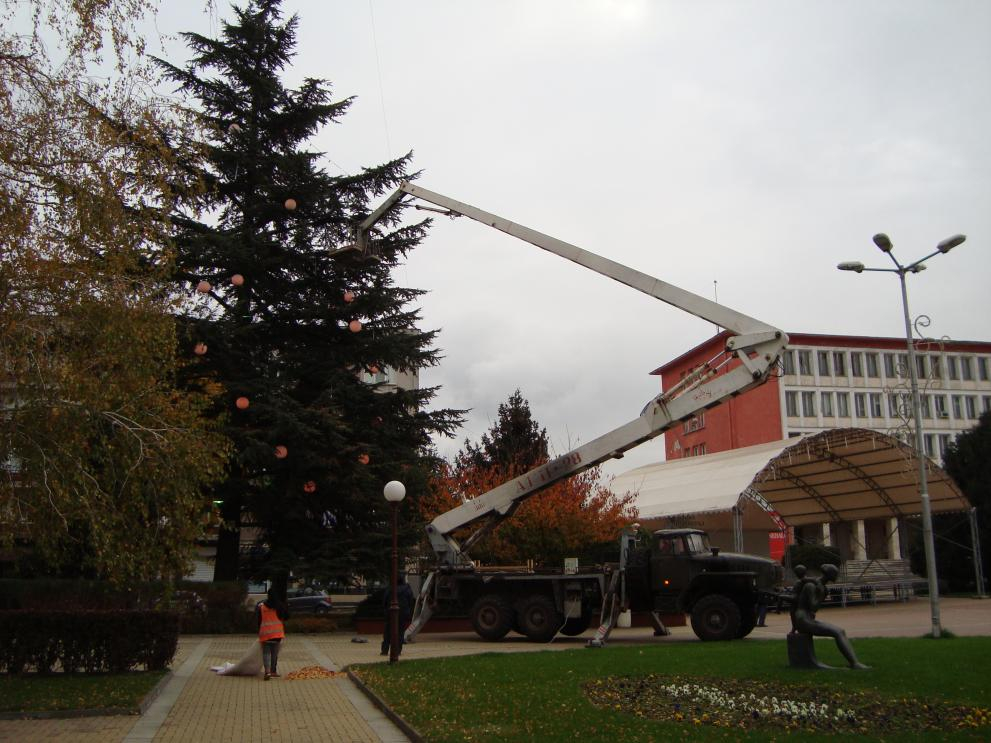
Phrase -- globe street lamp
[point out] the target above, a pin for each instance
(883, 242)
(394, 492)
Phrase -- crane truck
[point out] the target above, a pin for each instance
(667, 571)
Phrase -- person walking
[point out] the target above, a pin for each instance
(406, 600)
(270, 615)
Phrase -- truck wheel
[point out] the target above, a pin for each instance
(576, 625)
(716, 617)
(492, 616)
(538, 618)
(748, 620)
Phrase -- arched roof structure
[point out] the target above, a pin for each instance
(844, 474)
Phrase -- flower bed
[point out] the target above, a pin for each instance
(755, 704)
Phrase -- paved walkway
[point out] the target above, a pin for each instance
(197, 705)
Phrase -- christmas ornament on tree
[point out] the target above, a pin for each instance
(309, 487)
(373, 369)
(234, 129)
(364, 459)
(242, 403)
(355, 326)
(281, 452)
(199, 349)
(237, 279)
(203, 287)
(290, 204)
(349, 296)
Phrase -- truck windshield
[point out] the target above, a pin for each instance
(697, 543)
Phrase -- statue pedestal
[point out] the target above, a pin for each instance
(802, 651)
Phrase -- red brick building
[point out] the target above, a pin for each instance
(836, 381)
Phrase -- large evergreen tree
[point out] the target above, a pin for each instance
(515, 442)
(968, 462)
(294, 336)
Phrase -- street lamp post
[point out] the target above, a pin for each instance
(394, 492)
(884, 243)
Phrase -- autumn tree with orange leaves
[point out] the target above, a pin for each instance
(569, 519)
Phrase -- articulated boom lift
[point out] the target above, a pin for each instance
(755, 344)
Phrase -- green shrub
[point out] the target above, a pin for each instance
(89, 641)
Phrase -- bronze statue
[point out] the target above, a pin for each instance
(809, 593)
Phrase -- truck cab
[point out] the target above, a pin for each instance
(681, 572)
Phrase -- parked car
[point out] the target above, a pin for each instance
(308, 601)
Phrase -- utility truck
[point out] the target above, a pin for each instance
(668, 571)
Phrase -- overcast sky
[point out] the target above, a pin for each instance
(753, 144)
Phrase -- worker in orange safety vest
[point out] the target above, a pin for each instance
(270, 615)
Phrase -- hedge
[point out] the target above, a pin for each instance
(87, 641)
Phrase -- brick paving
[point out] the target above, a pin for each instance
(198, 705)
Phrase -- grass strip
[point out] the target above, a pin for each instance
(57, 692)
(544, 695)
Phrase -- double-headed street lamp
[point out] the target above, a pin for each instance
(884, 243)
(394, 492)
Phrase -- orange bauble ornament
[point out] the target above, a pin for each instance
(309, 486)
(242, 403)
(237, 279)
(349, 296)
(364, 459)
(373, 369)
(203, 287)
(290, 204)
(199, 349)
(281, 452)
(355, 326)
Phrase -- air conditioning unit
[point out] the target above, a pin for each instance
(942, 414)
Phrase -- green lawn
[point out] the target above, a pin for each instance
(545, 696)
(30, 692)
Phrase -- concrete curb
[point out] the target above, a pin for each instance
(408, 730)
(66, 714)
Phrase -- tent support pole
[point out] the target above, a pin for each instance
(975, 540)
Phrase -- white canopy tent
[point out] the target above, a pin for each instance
(844, 474)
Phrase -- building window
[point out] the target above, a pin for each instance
(957, 401)
(857, 364)
(929, 443)
(809, 404)
(937, 367)
(903, 365)
(839, 363)
(702, 448)
(925, 402)
(694, 424)
(920, 366)
(860, 404)
(872, 370)
(823, 357)
(944, 445)
(970, 402)
(889, 365)
(894, 404)
(788, 361)
(877, 409)
(843, 404)
(940, 402)
(967, 368)
(982, 368)
(826, 401)
(987, 403)
(951, 367)
(805, 363)
(791, 404)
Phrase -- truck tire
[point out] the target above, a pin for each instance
(748, 620)
(492, 616)
(716, 617)
(576, 625)
(538, 618)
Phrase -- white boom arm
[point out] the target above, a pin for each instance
(756, 345)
